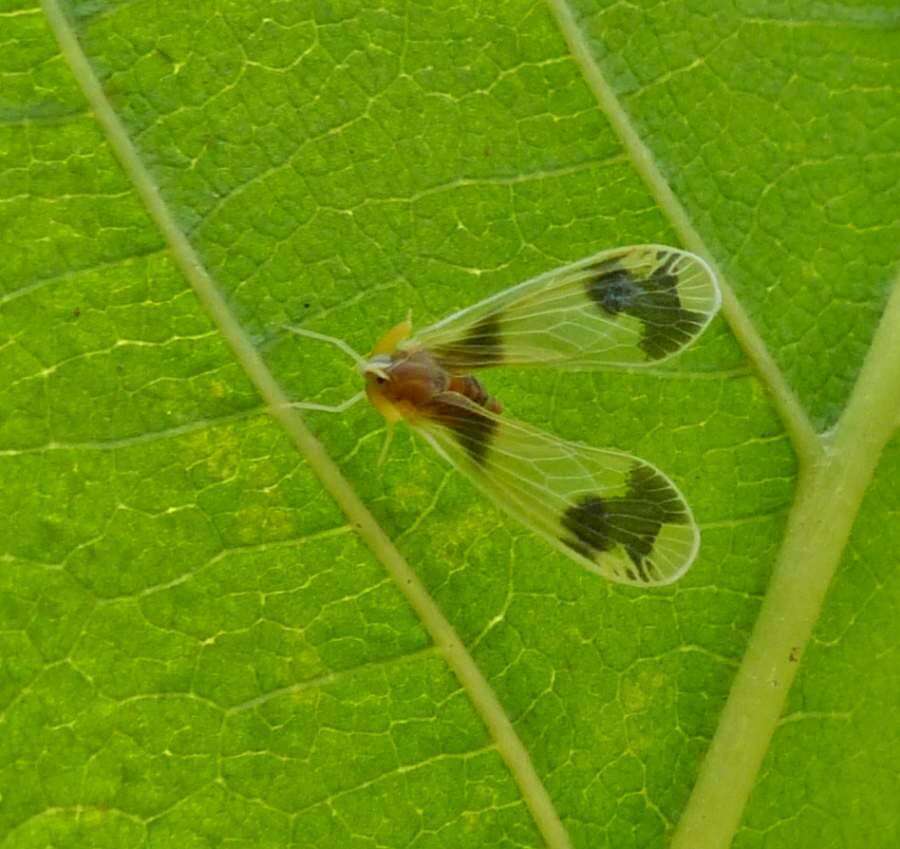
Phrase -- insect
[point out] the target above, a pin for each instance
(613, 513)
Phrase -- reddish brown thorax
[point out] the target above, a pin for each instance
(409, 381)
(412, 378)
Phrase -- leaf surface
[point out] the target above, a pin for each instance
(197, 649)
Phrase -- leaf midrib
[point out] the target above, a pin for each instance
(819, 522)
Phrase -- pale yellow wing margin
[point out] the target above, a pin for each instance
(614, 514)
(628, 306)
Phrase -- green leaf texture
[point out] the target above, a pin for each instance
(221, 625)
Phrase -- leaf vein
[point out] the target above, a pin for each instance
(441, 631)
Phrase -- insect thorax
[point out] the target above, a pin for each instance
(413, 377)
(411, 382)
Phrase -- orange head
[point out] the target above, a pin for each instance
(376, 370)
(398, 383)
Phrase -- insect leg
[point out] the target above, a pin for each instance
(389, 437)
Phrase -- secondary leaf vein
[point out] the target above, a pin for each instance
(188, 261)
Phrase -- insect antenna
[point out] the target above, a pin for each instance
(360, 361)
(331, 340)
(328, 408)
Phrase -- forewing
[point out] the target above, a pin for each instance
(614, 514)
(628, 306)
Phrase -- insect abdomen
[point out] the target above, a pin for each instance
(473, 390)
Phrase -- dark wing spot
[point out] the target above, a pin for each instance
(481, 346)
(613, 289)
(631, 521)
(588, 521)
(653, 300)
(473, 430)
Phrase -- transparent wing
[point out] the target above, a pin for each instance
(627, 306)
(614, 514)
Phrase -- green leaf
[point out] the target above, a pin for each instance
(218, 629)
